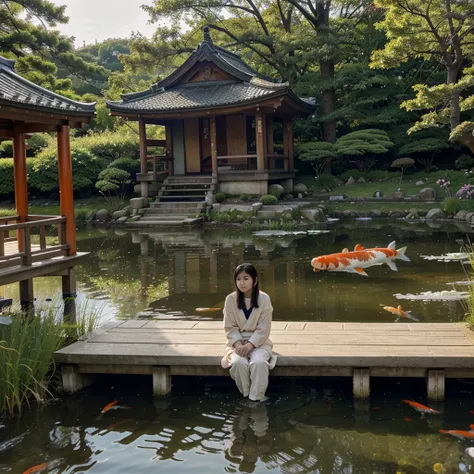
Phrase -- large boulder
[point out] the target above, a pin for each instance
(419, 183)
(102, 215)
(427, 194)
(300, 188)
(460, 216)
(276, 190)
(434, 214)
(350, 181)
(118, 214)
(313, 215)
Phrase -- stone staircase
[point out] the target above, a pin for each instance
(179, 202)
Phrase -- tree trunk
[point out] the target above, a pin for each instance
(455, 117)
(328, 102)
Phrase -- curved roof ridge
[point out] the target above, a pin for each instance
(7, 68)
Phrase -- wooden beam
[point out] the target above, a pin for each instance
(288, 148)
(269, 134)
(260, 140)
(35, 127)
(66, 197)
(213, 136)
(37, 117)
(143, 156)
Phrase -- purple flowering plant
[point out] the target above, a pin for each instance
(445, 184)
(466, 192)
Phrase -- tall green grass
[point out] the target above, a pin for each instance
(27, 346)
(468, 304)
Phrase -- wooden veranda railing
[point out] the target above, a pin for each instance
(18, 249)
(161, 165)
(231, 163)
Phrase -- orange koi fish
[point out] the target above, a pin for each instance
(400, 312)
(423, 409)
(460, 434)
(36, 469)
(357, 260)
(109, 406)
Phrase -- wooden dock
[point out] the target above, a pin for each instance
(162, 349)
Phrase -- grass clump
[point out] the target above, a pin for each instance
(27, 346)
(451, 205)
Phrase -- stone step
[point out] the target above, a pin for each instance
(178, 196)
(192, 180)
(178, 210)
(175, 205)
(186, 190)
(185, 185)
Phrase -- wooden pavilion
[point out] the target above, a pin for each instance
(220, 118)
(26, 108)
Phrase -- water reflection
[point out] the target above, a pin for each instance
(168, 274)
(301, 429)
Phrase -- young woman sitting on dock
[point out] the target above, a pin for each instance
(247, 323)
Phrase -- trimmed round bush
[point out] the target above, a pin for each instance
(126, 164)
(268, 199)
(220, 197)
(276, 190)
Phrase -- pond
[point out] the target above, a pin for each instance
(308, 425)
(167, 275)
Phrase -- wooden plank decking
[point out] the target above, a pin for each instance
(359, 350)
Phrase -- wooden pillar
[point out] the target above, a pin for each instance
(169, 148)
(436, 384)
(288, 142)
(69, 295)
(260, 140)
(161, 381)
(66, 198)
(213, 136)
(143, 160)
(361, 383)
(269, 143)
(72, 379)
(21, 184)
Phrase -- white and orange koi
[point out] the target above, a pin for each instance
(400, 313)
(423, 409)
(357, 260)
(460, 434)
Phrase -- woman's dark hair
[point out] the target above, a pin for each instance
(252, 271)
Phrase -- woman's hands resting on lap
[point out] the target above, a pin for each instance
(243, 349)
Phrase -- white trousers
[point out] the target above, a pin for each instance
(251, 373)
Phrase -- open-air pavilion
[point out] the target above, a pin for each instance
(26, 108)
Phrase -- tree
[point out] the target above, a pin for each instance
(402, 163)
(424, 150)
(113, 180)
(441, 30)
(363, 146)
(319, 154)
(27, 34)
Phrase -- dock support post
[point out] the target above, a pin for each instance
(72, 379)
(161, 381)
(436, 384)
(361, 383)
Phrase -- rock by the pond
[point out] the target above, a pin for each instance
(419, 183)
(136, 203)
(434, 214)
(217, 207)
(287, 196)
(122, 219)
(398, 195)
(210, 199)
(102, 215)
(469, 217)
(313, 215)
(377, 194)
(300, 188)
(361, 180)
(256, 206)
(300, 196)
(460, 216)
(340, 197)
(350, 181)
(427, 194)
(118, 214)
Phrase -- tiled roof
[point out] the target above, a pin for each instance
(169, 95)
(16, 90)
(195, 95)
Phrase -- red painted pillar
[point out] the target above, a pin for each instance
(21, 183)
(66, 197)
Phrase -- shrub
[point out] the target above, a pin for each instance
(244, 197)
(44, 172)
(275, 190)
(113, 180)
(127, 164)
(450, 205)
(356, 174)
(268, 199)
(464, 162)
(7, 183)
(220, 197)
(326, 182)
(402, 163)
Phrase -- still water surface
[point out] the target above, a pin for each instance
(308, 426)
